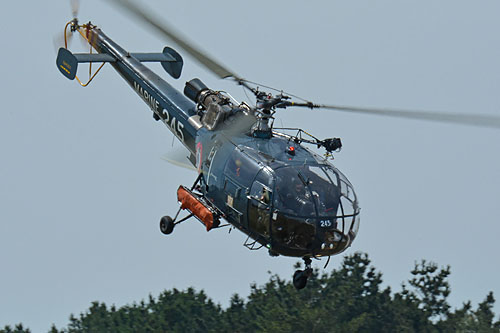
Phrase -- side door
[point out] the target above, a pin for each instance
(260, 204)
(239, 174)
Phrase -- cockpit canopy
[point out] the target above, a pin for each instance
(302, 205)
(323, 197)
(320, 191)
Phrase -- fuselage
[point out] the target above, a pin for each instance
(294, 204)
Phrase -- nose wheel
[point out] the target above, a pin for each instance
(300, 276)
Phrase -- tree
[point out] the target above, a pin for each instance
(17, 329)
(350, 298)
(430, 289)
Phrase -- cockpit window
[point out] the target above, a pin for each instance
(332, 175)
(261, 193)
(241, 168)
(306, 191)
(317, 201)
(293, 194)
(326, 195)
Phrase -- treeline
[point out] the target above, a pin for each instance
(348, 299)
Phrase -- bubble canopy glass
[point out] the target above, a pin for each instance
(317, 202)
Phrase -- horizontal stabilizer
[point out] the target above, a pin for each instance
(153, 57)
(170, 60)
(67, 62)
(94, 57)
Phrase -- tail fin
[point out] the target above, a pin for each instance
(66, 63)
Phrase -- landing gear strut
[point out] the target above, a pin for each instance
(167, 223)
(300, 276)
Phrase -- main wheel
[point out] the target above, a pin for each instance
(166, 225)
(300, 279)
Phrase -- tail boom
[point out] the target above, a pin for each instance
(175, 110)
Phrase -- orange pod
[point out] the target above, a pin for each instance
(190, 202)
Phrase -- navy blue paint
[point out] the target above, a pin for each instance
(173, 108)
(230, 166)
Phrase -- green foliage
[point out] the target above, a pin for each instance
(17, 329)
(173, 311)
(348, 299)
(430, 289)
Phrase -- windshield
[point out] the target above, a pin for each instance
(314, 206)
(306, 191)
(294, 196)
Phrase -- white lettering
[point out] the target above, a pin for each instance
(166, 116)
(180, 126)
(325, 223)
(175, 126)
(172, 124)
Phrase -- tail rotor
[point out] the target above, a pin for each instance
(75, 7)
(65, 39)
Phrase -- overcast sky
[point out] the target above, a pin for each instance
(83, 185)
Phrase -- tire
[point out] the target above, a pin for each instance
(166, 225)
(299, 279)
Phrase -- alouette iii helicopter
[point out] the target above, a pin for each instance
(261, 179)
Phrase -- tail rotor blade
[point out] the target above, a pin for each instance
(75, 6)
(58, 40)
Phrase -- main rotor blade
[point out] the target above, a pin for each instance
(179, 157)
(484, 120)
(177, 38)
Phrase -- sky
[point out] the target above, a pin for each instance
(83, 185)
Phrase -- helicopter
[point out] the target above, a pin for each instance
(261, 179)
